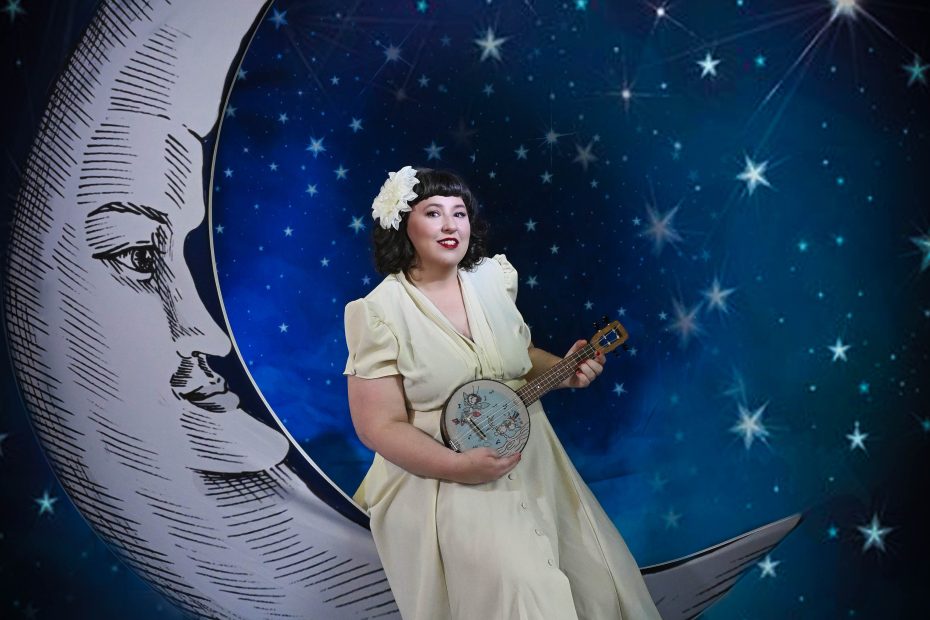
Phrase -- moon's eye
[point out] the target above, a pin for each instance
(140, 259)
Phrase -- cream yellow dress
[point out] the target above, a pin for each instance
(533, 545)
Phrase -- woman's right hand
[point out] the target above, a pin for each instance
(480, 465)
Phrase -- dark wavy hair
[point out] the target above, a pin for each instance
(393, 249)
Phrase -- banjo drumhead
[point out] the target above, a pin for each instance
(485, 413)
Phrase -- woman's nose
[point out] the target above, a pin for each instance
(448, 223)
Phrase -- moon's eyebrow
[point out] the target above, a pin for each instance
(129, 207)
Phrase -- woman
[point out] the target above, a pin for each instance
(468, 535)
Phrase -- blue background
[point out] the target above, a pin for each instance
(829, 248)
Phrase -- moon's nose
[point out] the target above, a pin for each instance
(196, 332)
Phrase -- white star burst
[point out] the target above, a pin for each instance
(490, 45)
(716, 297)
(750, 425)
(923, 244)
(754, 175)
(685, 322)
(874, 534)
(661, 229)
(845, 8)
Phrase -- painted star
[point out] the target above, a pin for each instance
(685, 322)
(341, 172)
(750, 425)
(288, 232)
(661, 229)
(488, 90)
(278, 18)
(423, 81)
(521, 152)
(915, 71)
(231, 111)
(708, 65)
(874, 534)
(717, 297)
(355, 125)
(619, 389)
(923, 244)
(671, 518)
(530, 225)
(833, 532)
(422, 6)
(532, 282)
(316, 146)
(357, 224)
(46, 503)
(658, 481)
(839, 350)
(324, 262)
(754, 175)
(13, 9)
(554, 249)
(282, 328)
(283, 118)
(585, 156)
(546, 177)
(857, 438)
(490, 45)
(768, 567)
(312, 190)
(219, 230)
(433, 151)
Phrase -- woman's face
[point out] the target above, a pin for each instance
(440, 230)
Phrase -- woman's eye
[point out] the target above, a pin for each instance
(140, 259)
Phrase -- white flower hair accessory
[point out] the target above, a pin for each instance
(394, 196)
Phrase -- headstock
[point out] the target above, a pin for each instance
(610, 335)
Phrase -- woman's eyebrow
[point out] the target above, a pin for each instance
(129, 207)
(436, 204)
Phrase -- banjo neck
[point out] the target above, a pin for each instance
(541, 385)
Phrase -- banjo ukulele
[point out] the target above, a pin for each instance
(487, 413)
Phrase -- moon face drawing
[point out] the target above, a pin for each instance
(111, 344)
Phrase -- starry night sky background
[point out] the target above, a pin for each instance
(742, 183)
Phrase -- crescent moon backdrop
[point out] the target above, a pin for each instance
(647, 156)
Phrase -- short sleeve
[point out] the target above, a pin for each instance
(372, 345)
(510, 275)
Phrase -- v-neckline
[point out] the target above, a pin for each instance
(442, 315)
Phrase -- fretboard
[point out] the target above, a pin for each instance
(535, 389)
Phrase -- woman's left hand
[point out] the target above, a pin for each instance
(587, 371)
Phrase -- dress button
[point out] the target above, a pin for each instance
(538, 531)
(550, 562)
(511, 476)
(523, 505)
